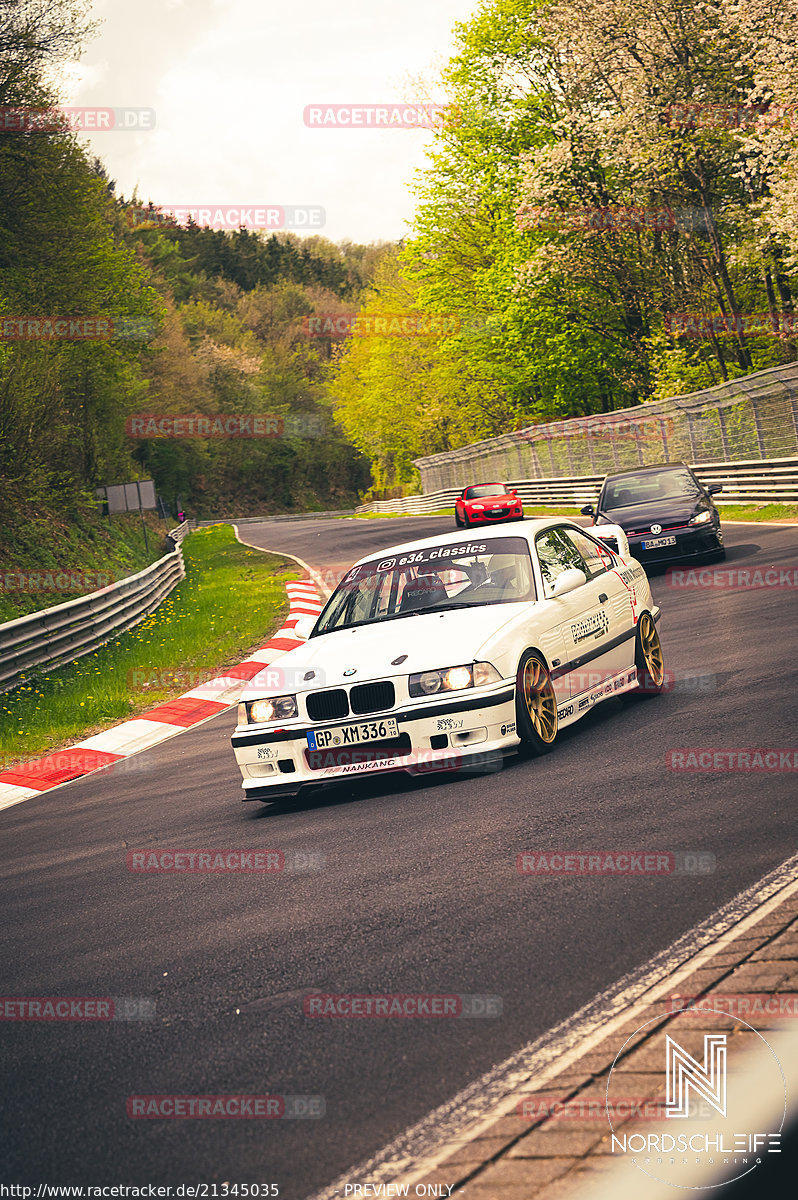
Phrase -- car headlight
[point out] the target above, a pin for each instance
(478, 506)
(452, 679)
(701, 518)
(276, 708)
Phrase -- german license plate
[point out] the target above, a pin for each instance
(353, 735)
(655, 543)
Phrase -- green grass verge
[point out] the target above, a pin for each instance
(758, 512)
(231, 601)
(729, 512)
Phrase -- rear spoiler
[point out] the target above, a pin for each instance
(610, 534)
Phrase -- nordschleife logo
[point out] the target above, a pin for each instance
(712, 1132)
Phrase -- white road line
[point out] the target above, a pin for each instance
(421, 1149)
(13, 793)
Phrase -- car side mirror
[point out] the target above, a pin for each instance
(714, 488)
(588, 511)
(569, 581)
(304, 626)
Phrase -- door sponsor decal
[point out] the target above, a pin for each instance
(593, 626)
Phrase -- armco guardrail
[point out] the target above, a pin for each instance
(304, 516)
(752, 481)
(67, 631)
(751, 418)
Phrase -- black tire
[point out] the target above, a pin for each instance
(649, 659)
(535, 704)
(466, 523)
(457, 520)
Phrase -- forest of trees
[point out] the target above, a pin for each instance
(606, 166)
(566, 113)
(204, 322)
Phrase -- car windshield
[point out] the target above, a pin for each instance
(447, 576)
(482, 490)
(648, 486)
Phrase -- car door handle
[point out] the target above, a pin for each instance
(602, 597)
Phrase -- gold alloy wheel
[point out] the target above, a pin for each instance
(540, 701)
(651, 650)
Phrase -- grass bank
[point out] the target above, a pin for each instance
(231, 601)
(44, 551)
(758, 512)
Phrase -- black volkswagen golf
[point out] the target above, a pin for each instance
(666, 513)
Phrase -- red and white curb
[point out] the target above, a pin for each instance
(174, 716)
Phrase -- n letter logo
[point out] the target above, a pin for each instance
(707, 1081)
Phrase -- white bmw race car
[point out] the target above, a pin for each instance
(437, 653)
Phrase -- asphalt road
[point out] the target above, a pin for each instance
(419, 894)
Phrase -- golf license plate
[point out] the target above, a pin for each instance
(353, 735)
(655, 543)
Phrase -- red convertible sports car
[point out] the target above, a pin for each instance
(485, 504)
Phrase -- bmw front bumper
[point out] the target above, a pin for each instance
(444, 734)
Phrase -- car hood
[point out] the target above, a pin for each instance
(429, 640)
(505, 498)
(662, 512)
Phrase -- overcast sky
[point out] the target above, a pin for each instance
(229, 80)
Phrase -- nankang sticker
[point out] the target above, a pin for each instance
(594, 626)
(562, 713)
